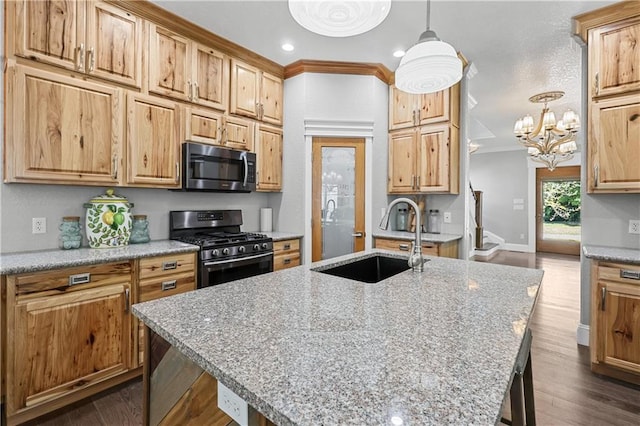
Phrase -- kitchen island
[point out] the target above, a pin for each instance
(306, 348)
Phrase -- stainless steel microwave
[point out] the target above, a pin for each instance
(210, 168)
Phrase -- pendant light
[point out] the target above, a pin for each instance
(430, 65)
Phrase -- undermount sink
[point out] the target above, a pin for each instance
(370, 269)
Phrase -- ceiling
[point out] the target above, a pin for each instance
(518, 48)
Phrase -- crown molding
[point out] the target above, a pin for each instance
(335, 67)
(603, 16)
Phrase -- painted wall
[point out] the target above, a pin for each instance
(502, 177)
(330, 97)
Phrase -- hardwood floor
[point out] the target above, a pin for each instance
(566, 392)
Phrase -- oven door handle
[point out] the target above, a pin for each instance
(240, 260)
(246, 169)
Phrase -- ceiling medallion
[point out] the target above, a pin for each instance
(549, 142)
(334, 18)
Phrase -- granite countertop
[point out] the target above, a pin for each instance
(280, 236)
(307, 348)
(409, 236)
(41, 260)
(613, 254)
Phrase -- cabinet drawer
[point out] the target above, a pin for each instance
(62, 280)
(431, 249)
(286, 260)
(403, 245)
(167, 265)
(286, 246)
(166, 286)
(628, 274)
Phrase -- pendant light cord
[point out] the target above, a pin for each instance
(428, 14)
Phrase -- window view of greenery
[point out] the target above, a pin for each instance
(561, 210)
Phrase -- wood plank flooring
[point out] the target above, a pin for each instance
(566, 392)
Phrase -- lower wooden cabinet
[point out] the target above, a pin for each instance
(448, 249)
(163, 276)
(615, 320)
(68, 336)
(286, 254)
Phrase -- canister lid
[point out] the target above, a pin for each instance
(70, 218)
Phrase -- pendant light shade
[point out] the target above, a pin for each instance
(339, 18)
(429, 66)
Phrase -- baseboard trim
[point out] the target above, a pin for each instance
(517, 247)
(582, 335)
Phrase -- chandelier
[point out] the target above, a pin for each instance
(550, 142)
(339, 18)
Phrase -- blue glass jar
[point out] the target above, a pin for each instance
(139, 229)
(70, 235)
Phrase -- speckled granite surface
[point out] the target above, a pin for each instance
(612, 253)
(280, 236)
(409, 236)
(32, 261)
(307, 348)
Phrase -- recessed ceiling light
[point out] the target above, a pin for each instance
(399, 53)
(287, 47)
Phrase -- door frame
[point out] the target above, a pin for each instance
(554, 246)
(358, 144)
(338, 129)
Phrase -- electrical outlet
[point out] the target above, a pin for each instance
(447, 217)
(38, 225)
(634, 226)
(233, 405)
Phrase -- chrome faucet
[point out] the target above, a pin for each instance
(416, 260)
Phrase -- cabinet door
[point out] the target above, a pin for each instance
(67, 342)
(620, 325)
(238, 133)
(62, 129)
(211, 78)
(403, 108)
(51, 31)
(433, 173)
(434, 107)
(402, 162)
(114, 40)
(152, 141)
(169, 64)
(614, 55)
(245, 86)
(271, 99)
(269, 158)
(615, 145)
(203, 125)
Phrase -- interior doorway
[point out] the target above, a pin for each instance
(338, 188)
(558, 206)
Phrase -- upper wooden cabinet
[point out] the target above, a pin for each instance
(424, 160)
(86, 36)
(62, 129)
(153, 142)
(614, 55)
(210, 127)
(269, 157)
(613, 133)
(255, 93)
(185, 70)
(409, 110)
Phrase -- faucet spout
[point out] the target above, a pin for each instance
(416, 259)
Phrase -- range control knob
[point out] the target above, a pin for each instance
(225, 251)
(241, 249)
(215, 253)
(256, 246)
(265, 245)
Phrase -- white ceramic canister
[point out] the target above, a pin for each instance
(108, 220)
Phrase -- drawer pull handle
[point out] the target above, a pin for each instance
(286, 247)
(286, 261)
(127, 295)
(404, 247)
(603, 298)
(167, 266)
(79, 279)
(169, 285)
(632, 275)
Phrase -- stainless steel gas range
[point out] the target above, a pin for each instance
(226, 253)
